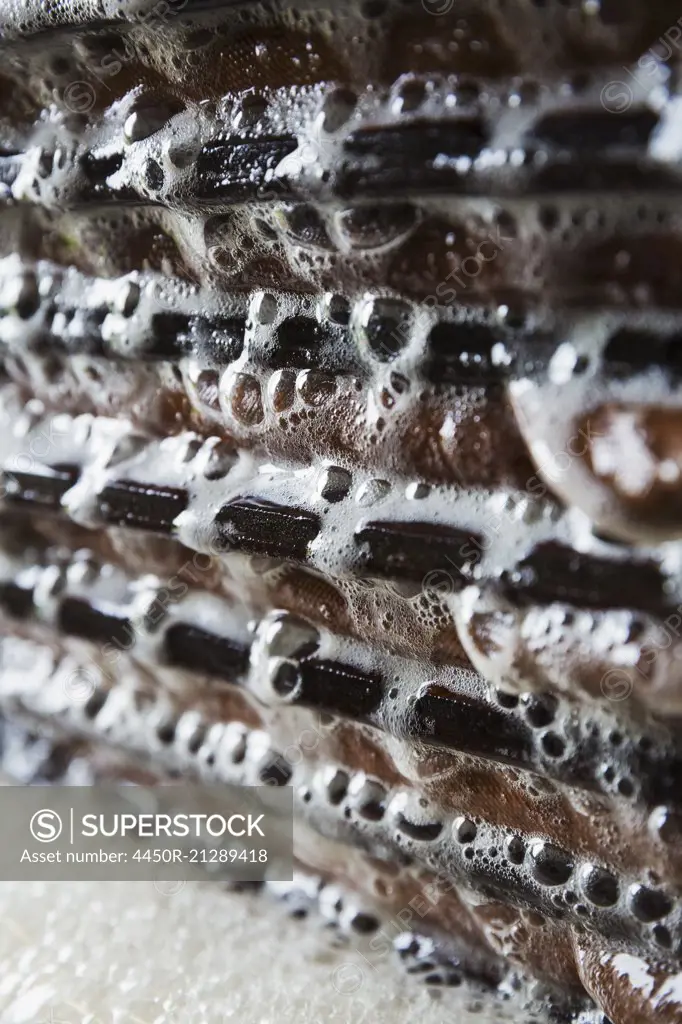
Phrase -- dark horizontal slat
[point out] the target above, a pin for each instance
(381, 160)
(77, 617)
(462, 354)
(445, 717)
(169, 337)
(555, 573)
(265, 528)
(333, 686)
(592, 130)
(45, 487)
(422, 140)
(188, 646)
(142, 506)
(235, 170)
(413, 550)
(591, 174)
(297, 345)
(631, 351)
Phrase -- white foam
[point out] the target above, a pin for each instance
(123, 952)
